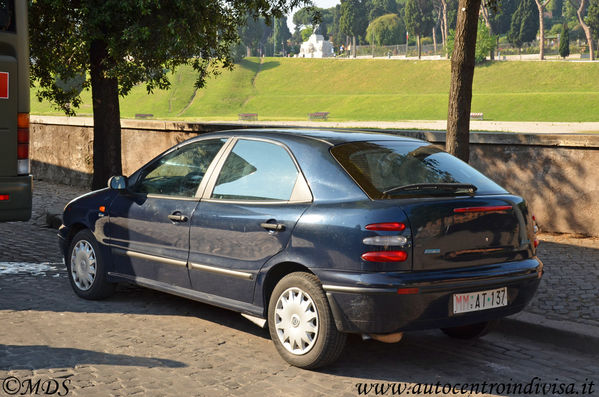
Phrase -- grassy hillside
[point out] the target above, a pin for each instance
(386, 90)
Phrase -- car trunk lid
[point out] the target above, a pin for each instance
(457, 232)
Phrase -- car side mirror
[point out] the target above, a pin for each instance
(117, 182)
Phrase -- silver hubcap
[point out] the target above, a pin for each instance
(83, 265)
(296, 321)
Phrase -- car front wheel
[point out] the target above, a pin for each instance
(301, 324)
(86, 267)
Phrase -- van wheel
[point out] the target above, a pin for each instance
(471, 331)
(87, 268)
(301, 324)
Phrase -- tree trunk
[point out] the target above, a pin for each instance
(444, 23)
(587, 31)
(462, 75)
(541, 6)
(107, 117)
(353, 46)
(484, 10)
(434, 41)
(419, 46)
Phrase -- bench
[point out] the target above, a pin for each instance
(476, 116)
(143, 115)
(248, 116)
(318, 115)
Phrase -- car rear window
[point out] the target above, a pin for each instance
(381, 167)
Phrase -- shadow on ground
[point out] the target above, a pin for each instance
(15, 357)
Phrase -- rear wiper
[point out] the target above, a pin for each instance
(469, 188)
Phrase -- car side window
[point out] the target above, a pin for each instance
(256, 170)
(180, 172)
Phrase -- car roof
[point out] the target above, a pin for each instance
(330, 137)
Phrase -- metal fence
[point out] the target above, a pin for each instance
(398, 50)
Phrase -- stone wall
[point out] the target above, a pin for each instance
(557, 173)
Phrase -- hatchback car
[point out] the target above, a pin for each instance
(315, 233)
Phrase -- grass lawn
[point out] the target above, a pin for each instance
(369, 90)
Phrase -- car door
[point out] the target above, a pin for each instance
(249, 209)
(149, 221)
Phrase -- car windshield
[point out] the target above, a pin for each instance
(391, 169)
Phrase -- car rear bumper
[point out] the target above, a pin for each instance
(370, 302)
(18, 206)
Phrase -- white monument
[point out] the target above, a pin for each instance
(316, 46)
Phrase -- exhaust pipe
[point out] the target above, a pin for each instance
(385, 338)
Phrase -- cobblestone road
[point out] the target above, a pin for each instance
(142, 342)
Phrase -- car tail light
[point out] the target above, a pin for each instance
(4, 197)
(385, 256)
(387, 226)
(23, 144)
(407, 291)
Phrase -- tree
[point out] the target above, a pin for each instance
(441, 6)
(418, 17)
(115, 44)
(462, 75)
(524, 24)
(564, 41)
(379, 8)
(541, 4)
(280, 35)
(580, 6)
(592, 18)
(385, 30)
(353, 21)
(251, 34)
(500, 16)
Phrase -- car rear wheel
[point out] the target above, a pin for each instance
(86, 267)
(301, 324)
(471, 331)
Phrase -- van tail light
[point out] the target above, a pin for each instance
(385, 256)
(23, 144)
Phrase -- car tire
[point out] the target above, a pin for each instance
(471, 331)
(86, 267)
(301, 324)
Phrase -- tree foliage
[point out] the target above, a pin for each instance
(592, 18)
(385, 30)
(116, 44)
(353, 19)
(378, 8)
(525, 23)
(418, 16)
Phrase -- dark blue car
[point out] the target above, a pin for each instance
(315, 233)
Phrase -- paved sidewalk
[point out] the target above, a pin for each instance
(568, 293)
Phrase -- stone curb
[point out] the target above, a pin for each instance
(562, 333)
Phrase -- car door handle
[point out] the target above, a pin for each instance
(177, 217)
(273, 226)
